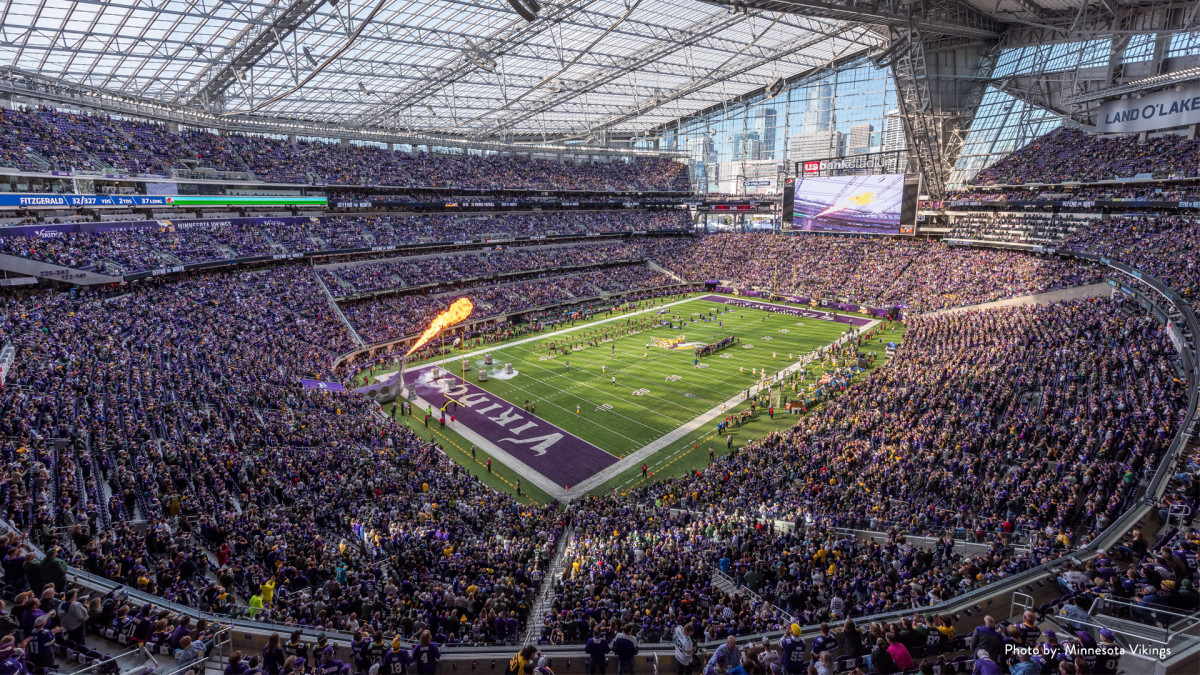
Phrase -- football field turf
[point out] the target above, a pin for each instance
(622, 395)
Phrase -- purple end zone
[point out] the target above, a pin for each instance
(556, 454)
(790, 311)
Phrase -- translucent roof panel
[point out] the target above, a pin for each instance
(446, 66)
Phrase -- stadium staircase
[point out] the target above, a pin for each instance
(338, 310)
(44, 165)
(545, 599)
(726, 584)
(662, 270)
(34, 268)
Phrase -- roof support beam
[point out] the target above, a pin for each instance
(703, 30)
(461, 65)
(247, 49)
(936, 17)
(715, 77)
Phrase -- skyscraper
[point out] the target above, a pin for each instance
(893, 131)
(746, 146)
(859, 141)
(818, 113)
(811, 145)
(767, 118)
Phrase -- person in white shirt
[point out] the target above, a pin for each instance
(838, 607)
(770, 658)
(685, 649)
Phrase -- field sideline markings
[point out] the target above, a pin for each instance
(568, 411)
(515, 465)
(589, 386)
(547, 485)
(543, 336)
(396, 418)
(654, 446)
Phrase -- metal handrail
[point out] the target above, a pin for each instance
(742, 588)
(112, 659)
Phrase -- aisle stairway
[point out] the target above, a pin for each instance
(545, 598)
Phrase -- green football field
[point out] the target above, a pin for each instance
(656, 389)
(657, 392)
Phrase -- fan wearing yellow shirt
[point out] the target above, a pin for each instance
(267, 591)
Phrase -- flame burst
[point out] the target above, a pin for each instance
(460, 309)
(860, 199)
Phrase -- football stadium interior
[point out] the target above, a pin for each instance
(647, 337)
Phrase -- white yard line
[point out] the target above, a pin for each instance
(636, 458)
(527, 472)
(543, 336)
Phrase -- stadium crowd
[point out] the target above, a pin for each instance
(180, 407)
(193, 242)
(1075, 155)
(921, 275)
(1154, 191)
(392, 316)
(1025, 425)
(45, 139)
(159, 437)
(421, 270)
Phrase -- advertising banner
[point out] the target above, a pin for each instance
(88, 201)
(60, 229)
(1160, 110)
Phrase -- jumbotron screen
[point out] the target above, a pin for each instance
(864, 204)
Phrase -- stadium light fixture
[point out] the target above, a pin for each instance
(528, 9)
(775, 88)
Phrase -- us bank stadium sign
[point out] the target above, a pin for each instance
(1160, 110)
(856, 165)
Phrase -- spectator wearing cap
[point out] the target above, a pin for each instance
(40, 643)
(330, 664)
(294, 665)
(1109, 656)
(12, 659)
(396, 660)
(1189, 599)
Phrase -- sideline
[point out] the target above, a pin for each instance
(634, 459)
(568, 493)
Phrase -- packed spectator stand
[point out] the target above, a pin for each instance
(158, 438)
(136, 250)
(1074, 155)
(43, 139)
